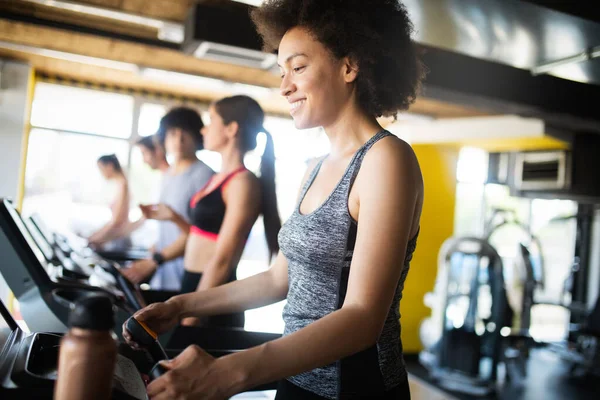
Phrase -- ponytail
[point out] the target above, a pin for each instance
(270, 212)
(250, 117)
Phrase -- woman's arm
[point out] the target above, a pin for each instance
(390, 205)
(119, 216)
(259, 290)
(256, 291)
(242, 200)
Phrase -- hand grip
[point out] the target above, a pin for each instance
(146, 338)
(157, 371)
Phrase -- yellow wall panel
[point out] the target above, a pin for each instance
(438, 164)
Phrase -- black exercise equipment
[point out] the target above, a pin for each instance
(45, 283)
(28, 366)
(475, 310)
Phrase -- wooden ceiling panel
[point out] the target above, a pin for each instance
(157, 57)
(175, 10)
(142, 55)
(71, 17)
(103, 3)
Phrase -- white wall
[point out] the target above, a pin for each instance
(14, 79)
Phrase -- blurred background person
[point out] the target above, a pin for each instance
(112, 233)
(225, 210)
(179, 133)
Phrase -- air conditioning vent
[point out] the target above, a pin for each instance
(542, 170)
(224, 32)
(235, 55)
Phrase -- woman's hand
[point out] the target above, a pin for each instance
(160, 317)
(194, 374)
(160, 212)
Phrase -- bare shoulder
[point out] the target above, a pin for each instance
(243, 184)
(123, 185)
(392, 158)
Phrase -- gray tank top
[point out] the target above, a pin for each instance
(319, 248)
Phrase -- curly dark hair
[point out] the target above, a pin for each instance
(375, 33)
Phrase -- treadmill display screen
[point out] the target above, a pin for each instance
(41, 227)
(41, 242)
(25, 233)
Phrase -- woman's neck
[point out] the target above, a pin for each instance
(232, 159)
(350, 130)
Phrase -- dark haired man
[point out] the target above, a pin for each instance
(179, 133)
(153, 153)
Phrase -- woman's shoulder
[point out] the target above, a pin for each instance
(244, 180)
(391, 156)
(123, 184)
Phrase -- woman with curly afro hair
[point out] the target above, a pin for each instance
(345, 250)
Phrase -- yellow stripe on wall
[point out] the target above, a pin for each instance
(25, 141)
(24, 148)
(438, 165)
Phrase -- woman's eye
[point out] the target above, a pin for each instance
(298, 69)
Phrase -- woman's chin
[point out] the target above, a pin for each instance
(300, 123)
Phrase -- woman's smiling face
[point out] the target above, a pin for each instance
(313, 81)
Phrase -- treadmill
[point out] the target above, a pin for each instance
(46, 282)
(46, 289)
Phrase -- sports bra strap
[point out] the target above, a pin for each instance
(230, 176)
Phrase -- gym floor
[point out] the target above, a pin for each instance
(547, 379)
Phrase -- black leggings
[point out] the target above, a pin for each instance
(288, 391)
(189, 284)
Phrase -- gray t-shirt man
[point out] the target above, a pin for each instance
(176, 192)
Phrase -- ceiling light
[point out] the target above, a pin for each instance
(255, 3)
(77, 58)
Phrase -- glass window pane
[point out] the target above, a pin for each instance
(82, 110)
(62, 181)
(144, 184)
(150, 115)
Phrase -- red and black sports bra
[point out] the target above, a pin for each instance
(207, 209)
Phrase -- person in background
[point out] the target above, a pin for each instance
(153, 153)
(111, 234)
(224, 211)
(179, 133)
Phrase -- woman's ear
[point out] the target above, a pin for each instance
(232, 129)
(350, 69)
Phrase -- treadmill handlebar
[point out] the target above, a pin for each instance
(148, 339)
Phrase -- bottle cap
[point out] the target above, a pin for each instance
(93, 312)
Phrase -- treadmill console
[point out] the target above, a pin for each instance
(28, 365)
(46, 281)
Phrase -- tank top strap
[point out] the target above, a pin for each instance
(356, 162)
(311, 178)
